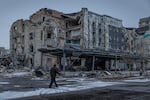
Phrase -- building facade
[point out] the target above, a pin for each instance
(50, 29)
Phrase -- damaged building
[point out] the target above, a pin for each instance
(82, 40)
(143, 41)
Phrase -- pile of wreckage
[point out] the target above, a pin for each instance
(8, 64)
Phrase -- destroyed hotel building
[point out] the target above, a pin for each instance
(81, 40)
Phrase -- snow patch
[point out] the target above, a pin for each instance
(37, 78)
(17, 86)
(3, 83)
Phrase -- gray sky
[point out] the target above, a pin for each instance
(130, 11)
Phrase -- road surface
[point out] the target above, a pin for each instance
(129, 89)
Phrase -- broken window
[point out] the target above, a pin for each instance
(100, 32)
(131, 42)
(50, 31)
(15, 40)
(23, 27)
(30, 36)
(23, 39)
(43, 19)
(31, 61)
(15, 49)
(76, 62)
(41, 35)
(94, 26)
(48, 62)
(15, 28)
(68, 35)
(48, 35)
(31, 48)
(76, 41)
(94, 33)
(59, 30)
(68, 41)
(22, 49)
(66, 25)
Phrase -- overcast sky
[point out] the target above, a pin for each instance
(130, 11)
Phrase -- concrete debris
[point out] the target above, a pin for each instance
(38, 73)
(108, 73)
(2, 68)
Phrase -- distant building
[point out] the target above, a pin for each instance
(3, 52)
(50, 37)
(144, 25)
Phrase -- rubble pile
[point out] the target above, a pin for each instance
(9, 65)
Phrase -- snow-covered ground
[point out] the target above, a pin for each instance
(79, 84)
(82, 84)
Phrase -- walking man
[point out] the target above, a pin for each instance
(53, 73)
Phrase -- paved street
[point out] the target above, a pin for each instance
(27, 84)
(127, 91)
(90, 89)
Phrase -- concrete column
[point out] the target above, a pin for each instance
(116, 63)
(93, 64)
(111, 64)
(134, 66)
(64, 61)
(83, 62)
(107, 65)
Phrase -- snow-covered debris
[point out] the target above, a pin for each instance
(108, 73)
(38, 73)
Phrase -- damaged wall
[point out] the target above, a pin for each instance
(44, 29)
(91, 30)
(96, 31)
